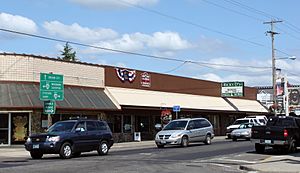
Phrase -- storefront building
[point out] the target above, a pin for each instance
(21, 110)
(129, 100)
(145, 97)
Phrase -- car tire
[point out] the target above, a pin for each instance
(76, 154)
(66, 151)
(234, 139)
(259, 148)
(160, 146)
(207, 140)
(185, 141)
(36, 155)
(292, 148)
(103, 148)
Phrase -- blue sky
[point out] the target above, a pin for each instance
(191, 32)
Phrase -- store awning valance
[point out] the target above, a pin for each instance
(146, 98)
(26, 96)
(247, 105)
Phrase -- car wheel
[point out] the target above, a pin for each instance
(160, 146)
(36, 155)
(259, 148)
(76, 154)
(103, 148)
(207, 140)
(234, 139)
(292, 147)
(184, 141)
(66, 151)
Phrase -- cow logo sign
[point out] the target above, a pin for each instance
(126, 75)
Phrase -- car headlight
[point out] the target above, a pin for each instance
(178, 135)
(28, 139)
(53, 139)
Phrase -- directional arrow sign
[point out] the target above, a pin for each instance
(51, 87)
(49, 107)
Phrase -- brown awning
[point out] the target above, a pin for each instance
(26, 95)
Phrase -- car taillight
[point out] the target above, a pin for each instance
(285, 133)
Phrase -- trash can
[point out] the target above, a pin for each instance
(137, 136)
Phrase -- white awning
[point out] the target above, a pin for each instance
(146, 98)
(248, 105)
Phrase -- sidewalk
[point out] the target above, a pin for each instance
(278, 164)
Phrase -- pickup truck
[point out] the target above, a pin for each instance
(281, 133)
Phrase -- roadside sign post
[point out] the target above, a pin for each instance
(51, 90)
(176, 109)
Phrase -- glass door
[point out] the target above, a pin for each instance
(4, 129)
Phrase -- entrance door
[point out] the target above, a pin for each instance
(4, 118)
(19, 127)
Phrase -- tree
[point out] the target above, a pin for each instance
(67, 54)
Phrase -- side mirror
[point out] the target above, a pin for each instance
(158, 126)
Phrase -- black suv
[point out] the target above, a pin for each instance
(70, 138)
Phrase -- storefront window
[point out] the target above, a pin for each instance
(19, 127)
(143, 123)
(116, 125)
(3, 129)
(127, 124)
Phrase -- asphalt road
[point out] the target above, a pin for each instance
(220, 156)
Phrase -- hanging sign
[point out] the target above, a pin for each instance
(126, 75)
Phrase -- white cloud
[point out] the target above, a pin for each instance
(17, 23)
(113, 4)
(80, 33)
(250, 80)
(168, 41)
(160, 43)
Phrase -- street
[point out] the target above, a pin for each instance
(221, 156)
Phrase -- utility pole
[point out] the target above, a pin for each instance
(272, 34)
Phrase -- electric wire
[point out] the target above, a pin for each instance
(130, 53)
(199, 26)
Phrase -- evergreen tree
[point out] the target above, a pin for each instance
(67, 54)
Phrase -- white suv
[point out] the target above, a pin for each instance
(256, 120)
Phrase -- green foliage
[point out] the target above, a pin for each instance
(67, 54)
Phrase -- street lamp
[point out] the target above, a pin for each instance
(274, 77)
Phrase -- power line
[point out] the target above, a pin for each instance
(199, 26)
(251, 9)
(128, 52)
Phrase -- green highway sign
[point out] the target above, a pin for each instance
(51, 87)
(49, 107)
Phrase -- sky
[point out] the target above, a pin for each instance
(217, 40)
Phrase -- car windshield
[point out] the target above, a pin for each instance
(61, 127)
(245, 126)
(240, 122)
(176, 125)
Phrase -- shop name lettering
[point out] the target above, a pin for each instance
(233, 84)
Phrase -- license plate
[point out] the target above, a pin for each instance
(163, 142)
(37, 146)
(268, 141)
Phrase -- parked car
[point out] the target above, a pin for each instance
(70, 138)
(242, 132)
(261, 120)
(281, 133)
(183, 131)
